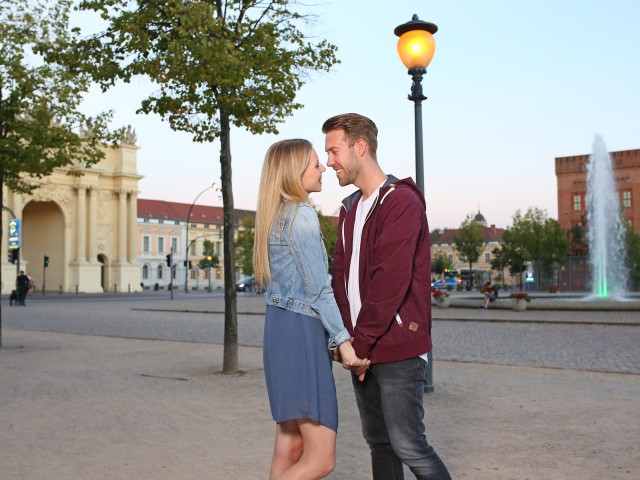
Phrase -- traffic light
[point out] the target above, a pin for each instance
(46, 261)
(190, 265)
(169, 260)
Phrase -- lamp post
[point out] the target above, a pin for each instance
(416, 47)
(214, 185)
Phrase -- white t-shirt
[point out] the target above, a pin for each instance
(353, 287)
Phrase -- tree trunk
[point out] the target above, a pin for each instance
(1, 236)
(230, 355)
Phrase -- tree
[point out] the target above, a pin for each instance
(41, 126)
(533, 237)
(329, 229)
(514, 246)
(499, 262)
(632, 242)
(244, 244)
(468, 243)
(216, 63)
(209, 257)
(556, 245)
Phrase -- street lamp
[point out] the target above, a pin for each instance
(416, 47)
(214, 185)
(209, 260)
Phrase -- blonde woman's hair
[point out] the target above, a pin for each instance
(280, 190)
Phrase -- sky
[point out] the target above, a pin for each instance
(512, 86)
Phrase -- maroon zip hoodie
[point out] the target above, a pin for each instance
(395, 273)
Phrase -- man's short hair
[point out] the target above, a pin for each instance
(355, 127)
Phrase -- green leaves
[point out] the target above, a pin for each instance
(41, 127)
(248, 58)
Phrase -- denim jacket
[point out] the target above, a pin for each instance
(299, 270)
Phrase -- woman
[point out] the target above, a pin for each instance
(290, 259)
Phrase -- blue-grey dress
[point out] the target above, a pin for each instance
(297, 367)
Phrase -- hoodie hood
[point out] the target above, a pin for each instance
(391, 183)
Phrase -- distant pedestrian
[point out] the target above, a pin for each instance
(22, 285)
(490, 294)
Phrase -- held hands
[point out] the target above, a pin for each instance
(346, 355)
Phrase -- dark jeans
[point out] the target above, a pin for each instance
(391, 411)
(22, 296)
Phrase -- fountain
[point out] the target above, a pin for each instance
(605, 227)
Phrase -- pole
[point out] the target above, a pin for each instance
(186, 255)
(417, 97)
(44, 273)
(171, 271)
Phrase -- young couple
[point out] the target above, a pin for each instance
(376, 319)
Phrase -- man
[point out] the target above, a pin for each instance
(490, 294)
(22, 285)
(381, 273)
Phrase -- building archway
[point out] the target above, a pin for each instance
(43, 235)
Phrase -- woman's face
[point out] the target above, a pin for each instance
(312, 176)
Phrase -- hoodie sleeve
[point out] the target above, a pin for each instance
(339, 279)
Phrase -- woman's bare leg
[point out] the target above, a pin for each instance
(287, 449)
(319, 452)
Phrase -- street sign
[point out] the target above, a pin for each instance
(14, 233)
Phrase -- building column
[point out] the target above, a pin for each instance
(81, 225)
(93, 225)
(122, 226)
(132, 228)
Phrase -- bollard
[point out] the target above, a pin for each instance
(115, 287)
(76, 288)
(129, 287)
(60, 290)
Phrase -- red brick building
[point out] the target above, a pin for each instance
(571, 173)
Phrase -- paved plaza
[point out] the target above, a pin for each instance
(130, 387)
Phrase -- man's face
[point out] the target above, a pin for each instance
(342, 158)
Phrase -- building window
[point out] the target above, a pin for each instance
(193, 247)
(160, 244)
(626, 199)
(174, 245)
(450, 258)
(577, 202)
(194, 274)
(218, 249)
(145, 272)
(160, 270)
(145, 244)
(487, 257)
(463, 258)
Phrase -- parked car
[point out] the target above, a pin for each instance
(246, 284)
(448, 283)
